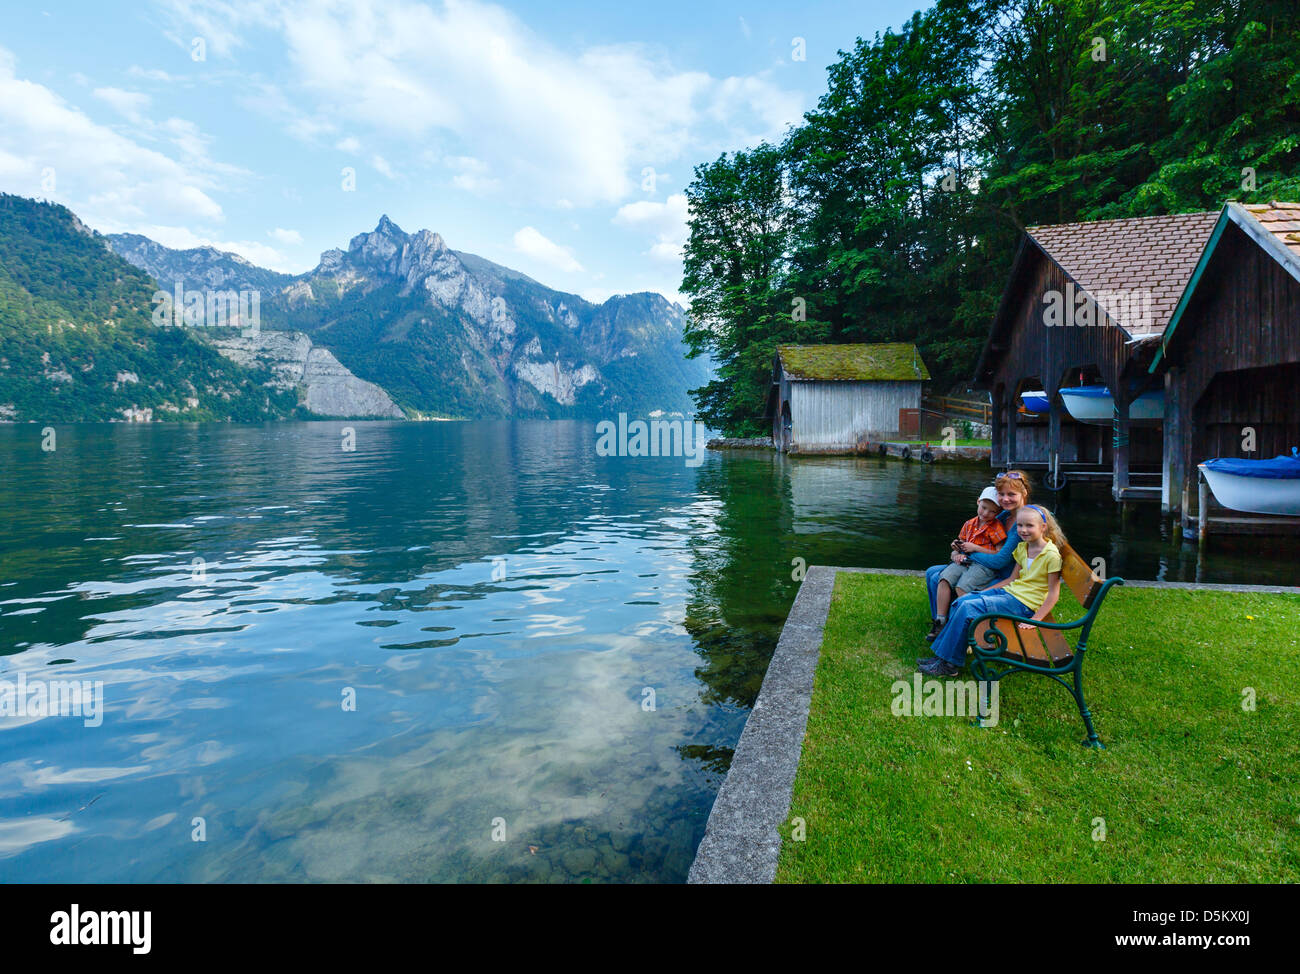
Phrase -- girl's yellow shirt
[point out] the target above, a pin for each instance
(1031, 587)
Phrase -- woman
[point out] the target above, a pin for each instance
(1013, 494)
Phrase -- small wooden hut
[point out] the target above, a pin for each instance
(828, 398)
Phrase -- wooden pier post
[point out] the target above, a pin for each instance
(1012, 413)
(1172, 490)
(1202, 508)
(1053, 442)
(1119, 456)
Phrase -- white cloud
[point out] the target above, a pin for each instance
(382, 167)
(217, 22)
(107, 178)
(271, 101)
(152, 74)
(531, 243)
(550, 121)
(288, 237)
(130, 104)
(472, 175)
(666, 251)
(348, 145)
(666, 221)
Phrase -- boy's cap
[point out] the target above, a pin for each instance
(990, 494)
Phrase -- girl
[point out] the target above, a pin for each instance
(1031, 590)
(1013, 494)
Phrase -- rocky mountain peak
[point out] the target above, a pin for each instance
(380, 244)
(427, 240)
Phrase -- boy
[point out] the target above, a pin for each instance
(986, 533)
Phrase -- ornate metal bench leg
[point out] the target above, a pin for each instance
(982, 687)
(1092, 740)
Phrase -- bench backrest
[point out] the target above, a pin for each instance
(1083, 582)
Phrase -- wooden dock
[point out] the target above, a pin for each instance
(1236, 522)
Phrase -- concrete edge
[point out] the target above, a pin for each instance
(741, 841)
(1216, 587)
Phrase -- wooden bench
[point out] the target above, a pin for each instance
(999, 646)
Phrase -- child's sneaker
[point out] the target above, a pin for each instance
(936, 627)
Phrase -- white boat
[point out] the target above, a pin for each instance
(1095, 405)
(1256, 486)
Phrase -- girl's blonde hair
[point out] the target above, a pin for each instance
(1053, 530)
(1016, 480)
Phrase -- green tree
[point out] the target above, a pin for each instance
(736, 269)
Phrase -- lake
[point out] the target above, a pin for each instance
(458, 652)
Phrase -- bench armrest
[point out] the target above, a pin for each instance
(1084, 623)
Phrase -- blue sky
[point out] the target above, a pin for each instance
(555, 138)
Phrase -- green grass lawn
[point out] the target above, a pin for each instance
(1192, 787)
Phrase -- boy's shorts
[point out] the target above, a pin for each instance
(968, 578)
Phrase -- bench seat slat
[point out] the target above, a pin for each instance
(1046, 647)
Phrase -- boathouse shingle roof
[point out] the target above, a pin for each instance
(1273, 226)
(1152, 254)
(1282, 220)
(884, 362)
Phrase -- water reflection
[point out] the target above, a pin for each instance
(533, 635)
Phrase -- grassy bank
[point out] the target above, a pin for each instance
(1191, 787)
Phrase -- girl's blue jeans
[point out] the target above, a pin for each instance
(951, 642)
(932, 584)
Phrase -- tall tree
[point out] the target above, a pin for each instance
(735, 269)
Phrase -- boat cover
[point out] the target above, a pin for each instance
(1279, 468)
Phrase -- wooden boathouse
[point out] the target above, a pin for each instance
(830, 398)
(1087, 301)
(1229, 358)
(1198, 313)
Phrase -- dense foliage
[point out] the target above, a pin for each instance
(892, 213)
(77, 340)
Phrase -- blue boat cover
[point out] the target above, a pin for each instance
(1279, 468)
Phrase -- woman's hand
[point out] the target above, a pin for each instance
(1025, 625)
(957, 557)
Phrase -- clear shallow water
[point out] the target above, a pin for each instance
(497, 597)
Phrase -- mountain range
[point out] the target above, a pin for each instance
(447, 333)
(396, 325)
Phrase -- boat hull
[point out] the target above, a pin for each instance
(1254, 495)
(1098, 408)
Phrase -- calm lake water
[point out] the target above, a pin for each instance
(554, 646)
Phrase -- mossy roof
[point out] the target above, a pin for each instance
(885, 362)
